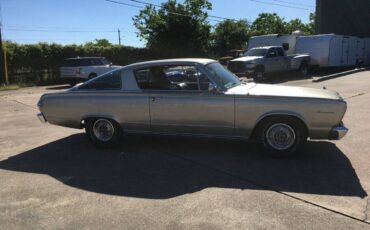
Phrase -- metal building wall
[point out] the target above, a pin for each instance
(345, 17)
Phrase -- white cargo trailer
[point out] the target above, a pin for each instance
(367, 51)
(330, 50)
(287, 41)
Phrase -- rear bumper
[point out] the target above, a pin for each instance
(338, 132)
(41, 117)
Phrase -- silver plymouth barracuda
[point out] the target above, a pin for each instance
(211, 102)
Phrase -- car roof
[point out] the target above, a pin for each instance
(266, 47)
(80, 58)
(174, 61)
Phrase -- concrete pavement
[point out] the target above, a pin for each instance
(52, 177)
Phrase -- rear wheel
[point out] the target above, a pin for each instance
(103, 132)
(281, 137)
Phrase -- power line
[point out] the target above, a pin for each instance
(151, 4)
(295, 3)
(170, 12)
(67, 31)
(277, 4)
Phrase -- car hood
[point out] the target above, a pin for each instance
(245, 59)
(283, 91)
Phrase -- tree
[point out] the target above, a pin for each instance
(230, 35)
(175, 29)
(296, 24)
(99, 42)
(311, 26)
(267, 23)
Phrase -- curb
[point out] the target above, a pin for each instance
(336, 75)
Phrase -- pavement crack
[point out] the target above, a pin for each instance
(356, 95)
(367, 211)
(256, 183)
(23, 104)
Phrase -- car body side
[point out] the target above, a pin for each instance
(229, 114)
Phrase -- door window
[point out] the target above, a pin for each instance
(271, 53)
(174, 77)
(280, 52)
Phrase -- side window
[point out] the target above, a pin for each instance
(84, 62)
(70, 63)
(176, 77)
(271, 53)
(280, 52)
(286, 46)
(96, 62)
(108, 81)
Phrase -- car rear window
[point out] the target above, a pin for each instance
(109, 81)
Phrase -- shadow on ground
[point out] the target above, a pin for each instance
(166, 167)
(58, 87)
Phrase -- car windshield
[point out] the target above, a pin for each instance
(255, 53)
(221, 76)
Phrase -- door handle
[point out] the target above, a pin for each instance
(155, 98)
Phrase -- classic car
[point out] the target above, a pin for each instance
(139, 98)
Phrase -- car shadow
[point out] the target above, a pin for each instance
(59, 87)
(165, 167)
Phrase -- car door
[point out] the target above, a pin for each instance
(187, 107)
(283, 63)
(272, 61)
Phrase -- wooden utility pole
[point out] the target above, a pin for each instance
(2, 66)
(119, 37)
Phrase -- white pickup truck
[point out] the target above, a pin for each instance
(257, 62)
(80, 69)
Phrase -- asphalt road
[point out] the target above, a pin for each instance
(52, 177)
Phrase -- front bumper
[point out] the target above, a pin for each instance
(338, 132)
(41, 117)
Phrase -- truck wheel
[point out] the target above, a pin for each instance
(303, 69)
(282, 137)
(259, 75)
(103, 132)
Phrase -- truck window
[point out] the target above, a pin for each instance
(280, 52)
(271, 53)
(286, 46)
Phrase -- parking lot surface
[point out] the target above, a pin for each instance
(52, 177)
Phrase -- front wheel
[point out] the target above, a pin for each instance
(103, 132)
(259, 75)
(303, 70)
(282, 137)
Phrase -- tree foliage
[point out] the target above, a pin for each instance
(267, 23)
(230, 35)
(176, 29)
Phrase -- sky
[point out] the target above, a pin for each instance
(80, 21)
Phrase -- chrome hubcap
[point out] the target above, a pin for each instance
(280, 136)
(103, 130)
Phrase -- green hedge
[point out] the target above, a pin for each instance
(39, 63)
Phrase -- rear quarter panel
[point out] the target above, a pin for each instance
(68, 109)
(319, 115)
